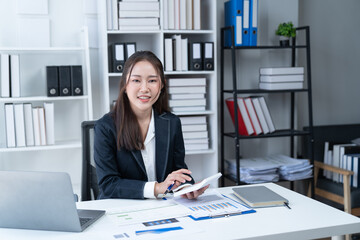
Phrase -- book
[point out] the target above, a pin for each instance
(188, 109)
(137, 28)
(10, 125)
(19, 125)
(282, 78)
(241, 124)
(42, 126)
(195, 135)
(49, 123)
(29, 126)
(267, 115)
(138, 21)
(187, 102)
(260, 115)
(181, 82)
(245, 116)
(140, 14)
(196, 146)
(4, 75)
(281, 86)
(15, 75)
(193, 120)
(194, 127)
(281, 70)
(259, 196)
(253, 116)
(186, 188)
(200, 89)
(139, 6)
(187, 96)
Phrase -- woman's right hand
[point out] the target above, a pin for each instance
(177, 177)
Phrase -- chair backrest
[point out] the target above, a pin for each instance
(343, 133)
(89, 184)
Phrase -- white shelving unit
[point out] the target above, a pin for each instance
(69, 111)
(202, 163)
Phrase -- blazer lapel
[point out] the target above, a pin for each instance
(139, 160)
(162, 138)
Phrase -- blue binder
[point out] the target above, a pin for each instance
(234, 17)
(246, 23)
(253, 22)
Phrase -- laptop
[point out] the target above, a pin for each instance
(41, 201)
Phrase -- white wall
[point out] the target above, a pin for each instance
(335, 54)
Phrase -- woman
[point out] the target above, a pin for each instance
(139, 148)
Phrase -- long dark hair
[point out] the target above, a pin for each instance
(127, 127)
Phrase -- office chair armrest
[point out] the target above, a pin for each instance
(330, 168)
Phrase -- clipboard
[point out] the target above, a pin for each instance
(213, 205)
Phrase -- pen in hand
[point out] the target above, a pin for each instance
(168, 189)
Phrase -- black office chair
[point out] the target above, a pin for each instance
(89, 184)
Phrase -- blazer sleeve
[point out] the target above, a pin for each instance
(111, 183)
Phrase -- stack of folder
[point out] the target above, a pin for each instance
(182, 14)
(242, 15)
(139, 15)
(187, 94)
(270, 169)
(253, 115)
(281, 78)
(29, 126)
(195, 132)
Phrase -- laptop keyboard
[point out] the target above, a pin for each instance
(84, 221)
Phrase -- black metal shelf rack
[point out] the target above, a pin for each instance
(292, 132)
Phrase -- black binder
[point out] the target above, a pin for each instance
(195, 56)
(52, 80)
(76, 80)
(117, 57)
(64, 81)
(208, 55)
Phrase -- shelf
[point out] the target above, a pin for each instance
(42, 98)
(58, 146)
(247, 91)
(277, 133)
(265, 47)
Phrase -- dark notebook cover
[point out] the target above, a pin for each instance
(259, 196)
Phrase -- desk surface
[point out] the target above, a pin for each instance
(307, 219)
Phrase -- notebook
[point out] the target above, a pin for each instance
(41, 201)
(259, 196)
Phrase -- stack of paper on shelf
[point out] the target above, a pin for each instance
(253, 115)
(291, 168)
(187, 94)
(270, 169)
(182, 14)
(195, 132)
(28, 126)
(254, 170)
(139, 15)
(281, 78)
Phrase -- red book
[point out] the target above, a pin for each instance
(241, 124)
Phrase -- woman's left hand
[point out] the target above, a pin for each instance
(196, 193)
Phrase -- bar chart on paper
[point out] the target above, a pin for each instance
(213, 205)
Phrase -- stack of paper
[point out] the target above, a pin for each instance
(187, 94)
(292, 169)
(281, 78)
(254, 170)
(195, 132)
(270, 169)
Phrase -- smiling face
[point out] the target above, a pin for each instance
(143, 87)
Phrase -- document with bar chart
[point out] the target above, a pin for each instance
(213, 205)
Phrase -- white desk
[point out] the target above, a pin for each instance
(307, 219)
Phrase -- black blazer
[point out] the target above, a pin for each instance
(122, 174)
